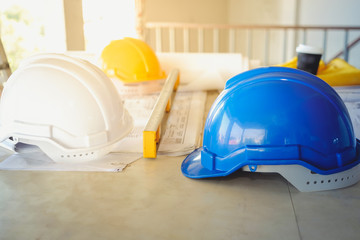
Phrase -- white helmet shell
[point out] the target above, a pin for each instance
(66, 106)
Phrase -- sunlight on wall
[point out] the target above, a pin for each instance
(107, 20)
(29, 27)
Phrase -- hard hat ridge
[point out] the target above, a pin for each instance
(276, 117)
(66, 106)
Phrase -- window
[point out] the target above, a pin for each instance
(27, 28)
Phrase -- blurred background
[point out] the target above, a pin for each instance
(28, 27)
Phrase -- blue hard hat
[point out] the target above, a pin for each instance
(273, 119)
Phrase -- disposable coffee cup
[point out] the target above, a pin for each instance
(308, 58)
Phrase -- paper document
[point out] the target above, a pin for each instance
(351, 97)
(184, 125)
(203, 71)
(181, 127)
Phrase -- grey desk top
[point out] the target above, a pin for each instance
(151, 199)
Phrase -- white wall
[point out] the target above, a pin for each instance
(264, 12)
(185, 11)
(329, 12)
(261, 12)
(336, 13)
(189, 11)
(302, 12)
(243, 12)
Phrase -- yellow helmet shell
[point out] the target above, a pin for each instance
(336, 73)
(131, 60)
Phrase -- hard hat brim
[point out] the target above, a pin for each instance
(192, 167)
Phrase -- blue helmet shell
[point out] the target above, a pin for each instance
(275, 116)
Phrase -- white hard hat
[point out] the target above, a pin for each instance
(66, 106)
(131, 60)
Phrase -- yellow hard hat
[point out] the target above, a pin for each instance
(340, 73)
(336, 73)
(131, 60)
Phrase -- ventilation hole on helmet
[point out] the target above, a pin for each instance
(11, 138)
(342, 179)
(347, 178)
(68, 156)
(92, 152)
(315, 182)
(329, 181)
(307, 182)
(336, 180)
(62, 156)
(86, 154)
(322, 181)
